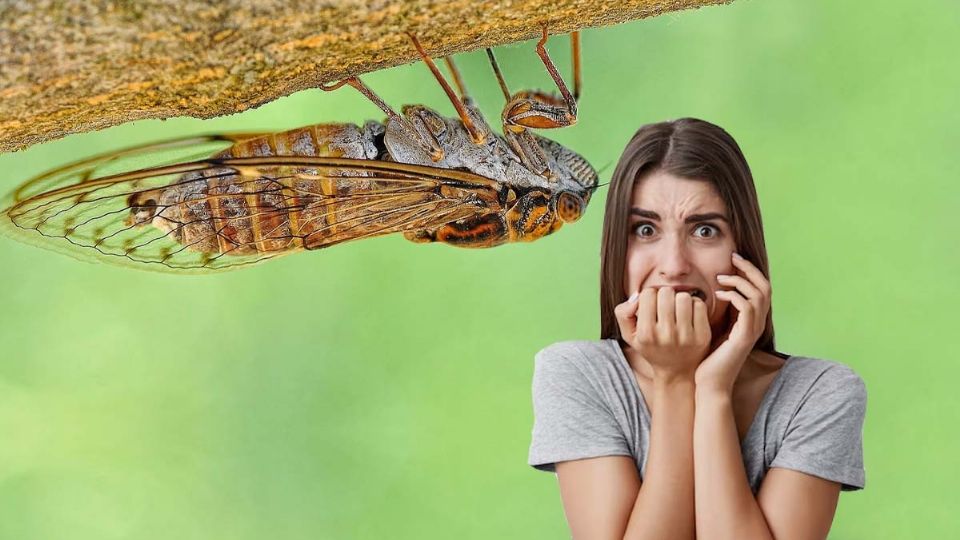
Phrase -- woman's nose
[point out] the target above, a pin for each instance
(674, 258)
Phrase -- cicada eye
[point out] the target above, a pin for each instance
(569, 207)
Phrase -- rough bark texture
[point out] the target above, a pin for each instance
(70, 66)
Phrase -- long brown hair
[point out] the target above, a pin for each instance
(688, 148)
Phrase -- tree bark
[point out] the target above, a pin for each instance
(71, 66)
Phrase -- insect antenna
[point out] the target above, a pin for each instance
(605, 167)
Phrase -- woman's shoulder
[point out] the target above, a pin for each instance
(579, 356)
(815, 425)
(579, 351)
(809, 374)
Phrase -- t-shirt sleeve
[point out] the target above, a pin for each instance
(825, 437)
(571, 420)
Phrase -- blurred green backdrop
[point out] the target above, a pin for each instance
(381, 389)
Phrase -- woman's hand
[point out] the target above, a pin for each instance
(751, 298)
(672, 332)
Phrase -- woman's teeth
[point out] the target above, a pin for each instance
(696, 292)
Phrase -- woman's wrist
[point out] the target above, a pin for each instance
(712, 392)
(673, 378)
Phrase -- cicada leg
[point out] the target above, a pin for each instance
(532, 217)
(467, 100)
(476, 134)
(499, 74)
(569, 99)
(487, 230)
(533, 109)
(529, 218)
(575, 60)
(429, 145)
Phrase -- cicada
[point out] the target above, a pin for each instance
(255, 196)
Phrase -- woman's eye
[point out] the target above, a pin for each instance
(709, 227)
(644, 227)
(637, 227)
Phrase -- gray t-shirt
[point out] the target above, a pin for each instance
(587, 403)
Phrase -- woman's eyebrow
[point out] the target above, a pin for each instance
(649, 214)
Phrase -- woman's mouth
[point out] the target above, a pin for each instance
(694, 292)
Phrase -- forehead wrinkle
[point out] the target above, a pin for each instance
(683, 209)
(676, 198)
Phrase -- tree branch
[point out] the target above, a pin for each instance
(71, 66)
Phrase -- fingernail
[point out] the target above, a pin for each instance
(633, 296)
(737, 256)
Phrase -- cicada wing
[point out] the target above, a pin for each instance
(219, 214)
(145, 156)
(353, 199)
(39, 211)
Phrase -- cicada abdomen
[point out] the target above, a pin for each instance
(246, 210)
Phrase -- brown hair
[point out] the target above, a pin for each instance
(689, 148)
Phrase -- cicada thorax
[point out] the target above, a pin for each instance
(521, 215)
(237, 212)
(532, 207)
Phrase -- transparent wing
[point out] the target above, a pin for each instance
(221, 213)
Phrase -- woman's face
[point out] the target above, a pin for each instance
(672, 241)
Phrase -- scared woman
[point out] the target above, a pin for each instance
(683, 420)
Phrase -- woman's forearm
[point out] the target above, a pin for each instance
(725, 505)
(664, 507)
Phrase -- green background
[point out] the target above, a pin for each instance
(381, 389)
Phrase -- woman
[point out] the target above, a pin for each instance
(683, 420)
